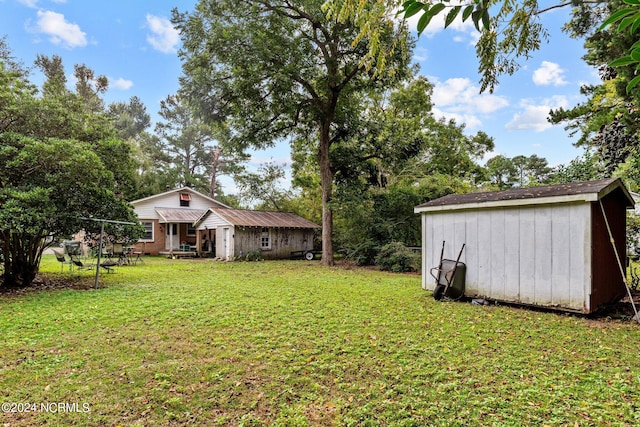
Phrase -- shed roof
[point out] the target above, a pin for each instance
(179, 215)
(587, 191)
(247, 218)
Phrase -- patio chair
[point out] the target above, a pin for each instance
(61, 258)
(109, 265)
(120, 253)
(81, 265)
(138, 254)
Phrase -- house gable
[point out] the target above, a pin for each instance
(174, 199)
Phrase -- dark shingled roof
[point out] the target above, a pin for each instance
(576, 188)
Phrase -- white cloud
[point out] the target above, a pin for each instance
(120, 84)
(534, 116)
(459, 99)
(164, 37)
(60, 31)
(29, 3)
(471, 121)
(548, 74)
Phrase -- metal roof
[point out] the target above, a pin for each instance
(586, 191)
(247, 218)
(180, 215)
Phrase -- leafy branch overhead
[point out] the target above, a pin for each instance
(477, 10)
(509, 30)
(628, 19)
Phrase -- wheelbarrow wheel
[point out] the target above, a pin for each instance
(438, 292)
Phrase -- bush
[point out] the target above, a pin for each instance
(398, 258)
(254, 255)
(363, 253)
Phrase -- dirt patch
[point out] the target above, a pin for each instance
(44, 283)
(622, 309)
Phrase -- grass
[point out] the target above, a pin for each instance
(198, 342)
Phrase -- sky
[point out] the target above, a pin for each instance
(135, 46)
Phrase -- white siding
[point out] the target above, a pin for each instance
(533, 255)
(212, 222)
(145, 208)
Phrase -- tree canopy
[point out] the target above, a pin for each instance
(59, 162)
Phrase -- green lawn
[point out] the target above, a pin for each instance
(198, 342)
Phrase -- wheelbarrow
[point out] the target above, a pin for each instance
(449, 275)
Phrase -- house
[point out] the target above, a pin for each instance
(547, 246)
(184, 222)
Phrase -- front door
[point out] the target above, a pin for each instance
(171, 238)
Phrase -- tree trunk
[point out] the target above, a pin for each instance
(214, 172)
(326, 182)
(21, 261)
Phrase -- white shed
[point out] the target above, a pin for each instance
(544, 246)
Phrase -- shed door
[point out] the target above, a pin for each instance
(226, 243)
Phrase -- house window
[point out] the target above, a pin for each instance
(265, 238)
(191, 230)
(148, 231)
(185, 198)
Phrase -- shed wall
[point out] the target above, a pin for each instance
(539, 255)
(283, 241)
(608, 285)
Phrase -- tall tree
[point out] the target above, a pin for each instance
(130, 119)
(275, 69)
(187, 141)
(502, 172)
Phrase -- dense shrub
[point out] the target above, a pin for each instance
(364, 253)
(398, 258)
(254, 255)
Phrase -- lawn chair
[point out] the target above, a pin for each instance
(120, 253)
(60, 257)
(109, 265)
(81, 265)
(139, 254)
(450, 277)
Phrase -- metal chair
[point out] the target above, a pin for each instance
(60, 257)
(139, 254)
(81, 265)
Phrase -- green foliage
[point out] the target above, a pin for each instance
(185, 144)
(633, 234)
(254, 255)
(264, 188)
(628, 19)
(586, 167)
(522, 171)
(58, 163)
(396, 257)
